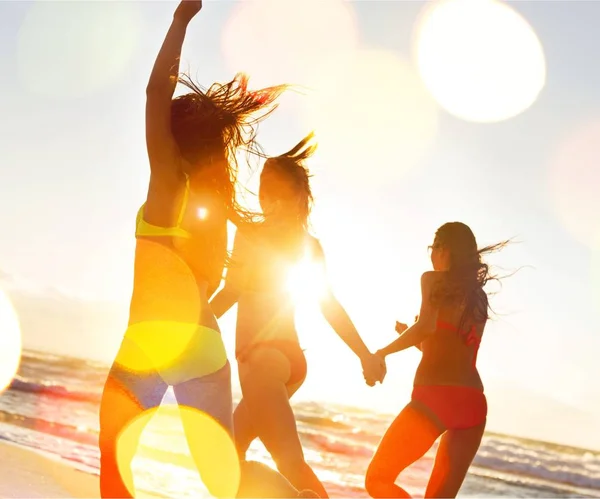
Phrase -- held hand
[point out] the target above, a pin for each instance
(401, 327)
(374, 369)
(187, 9)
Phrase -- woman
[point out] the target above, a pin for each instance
(181, 236)
(448, 397)
(272, 365)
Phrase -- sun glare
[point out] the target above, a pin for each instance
(211, 450)
(202, 213)
(306, 282)
(10, 341)
(480, 59)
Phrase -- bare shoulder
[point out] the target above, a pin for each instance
(432, 277)
(315, 247)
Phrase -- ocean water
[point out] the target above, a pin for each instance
(52, 406)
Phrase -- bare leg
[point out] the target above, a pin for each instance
(245, 433)
(126, 396)
(407, 439)
(211, 395)
(454, 456)
(263, 377)
(244, 430)
(258, 480)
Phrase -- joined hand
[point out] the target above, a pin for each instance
(374, 369)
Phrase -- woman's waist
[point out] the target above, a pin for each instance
(168, 260)
(263, 310)
(447, 375)
(246, 340)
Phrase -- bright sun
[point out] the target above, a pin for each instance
(480, 59)
(306, 282)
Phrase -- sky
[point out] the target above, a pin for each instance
(402, 150)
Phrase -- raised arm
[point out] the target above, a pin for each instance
(425, 324)
(338, 319)
(166, 175)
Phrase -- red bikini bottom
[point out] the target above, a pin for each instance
(457, 407)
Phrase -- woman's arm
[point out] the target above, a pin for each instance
(401, 327)
(162, 150)
(224, 300)
(337, 317)
(334, 312)
(166, 175)
(423, 327)
(234, 280)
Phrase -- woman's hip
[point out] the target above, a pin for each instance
(457, 407)
(175, 351)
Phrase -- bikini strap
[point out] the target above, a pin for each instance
(184, 202)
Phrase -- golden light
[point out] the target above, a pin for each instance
(202, 213)
(144, 348)
(480, 59)
(574, 182)
(10, 341)
(166, 304)
(307, 282)
(70, 49)
(286, 41)
(373, 119)
(212, 450)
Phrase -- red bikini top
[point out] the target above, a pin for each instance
(470, 336)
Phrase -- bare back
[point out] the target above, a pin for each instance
(449, 354)
(266, 310)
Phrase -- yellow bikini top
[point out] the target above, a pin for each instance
(143, 228)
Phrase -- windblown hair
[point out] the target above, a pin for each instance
(211, 126)
(468, 273)
(292, 165)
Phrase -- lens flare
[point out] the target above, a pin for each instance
(72, 49)
(480, 59)
(171, 348)
(164, 287)
(574, 183)
(202, 213)
(288, 41)
(373, 114)
(211, 447)
(10, 341)
(166, 307)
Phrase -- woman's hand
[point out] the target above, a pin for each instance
(187, 9)
(401, 327)
(374, 369)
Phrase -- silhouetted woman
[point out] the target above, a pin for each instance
(181, 239)
(272, 366)
(448, 397)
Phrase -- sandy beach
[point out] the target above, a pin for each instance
(27, 473)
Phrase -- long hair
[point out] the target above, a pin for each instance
(211, 126)
(288, 235)
(467, 273)
(292, 165)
